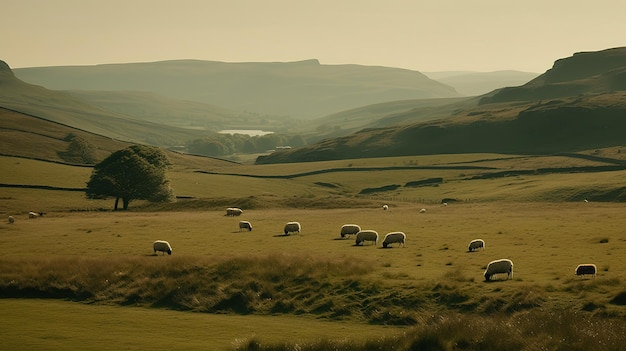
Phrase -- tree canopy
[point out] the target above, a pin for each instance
(134, 173)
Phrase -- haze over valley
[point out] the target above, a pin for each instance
(180, 104)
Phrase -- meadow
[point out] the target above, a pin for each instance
(94, 273)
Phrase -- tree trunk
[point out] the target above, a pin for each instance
(125, 202)
(117, 200)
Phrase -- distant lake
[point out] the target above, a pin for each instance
(250, 132)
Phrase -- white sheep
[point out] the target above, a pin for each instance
(33, 214)
(11, 220)
(349, 229)
(366, 235)
(394, 237)
(245, 225)
(162, 246)
(292, 227)
(499, 267)
(476, 244)
(423, 210)
(233, 211)
(586, 269)
(385, 207)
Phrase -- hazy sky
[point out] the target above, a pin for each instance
(423, 35)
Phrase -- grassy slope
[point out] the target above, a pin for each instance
(434, 273)
(29, 136)
(77, 326)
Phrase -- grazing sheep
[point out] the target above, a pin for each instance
(11, 220)
(245, 225)
(476, 244)
(233, 211)
(445, 204)
(586, 269)
(385, 207)
(366, 235)
(499, 267)
(349, 229)
(163, 246)
(394, 237)
(423, 210)
(292, 227)
(34, 214)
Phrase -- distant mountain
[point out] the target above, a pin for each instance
(478, 83)
(583, 73)
(547, 115)
(303, 89)
(66, 109)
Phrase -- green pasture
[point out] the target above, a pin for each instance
(529, 233)
(545, 241)
(202, 178)
(539, 221)
(59, 325)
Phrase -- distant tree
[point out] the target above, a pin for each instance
(249, 146)
(268, 142)
(78, 150)
(134, 173)
(297, 141)
(208, 147)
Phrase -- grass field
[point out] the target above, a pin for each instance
(59, 325)
(315, 285)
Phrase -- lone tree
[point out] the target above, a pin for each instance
(134, 173)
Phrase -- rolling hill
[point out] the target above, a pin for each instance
(32, 137)
(303, 89)
(383, 115)
(63, 108)
(544, 116)
(583, 73)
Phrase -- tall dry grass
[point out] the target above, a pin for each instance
(531, 330)
(277, 283)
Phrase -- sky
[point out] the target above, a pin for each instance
(421, 35)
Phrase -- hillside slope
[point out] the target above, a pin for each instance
(27, 136)
(383, 115)
(301, 89)
(583, 73)
(533, 120)
(66, 109)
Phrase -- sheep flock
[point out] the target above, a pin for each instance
(493, 269)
